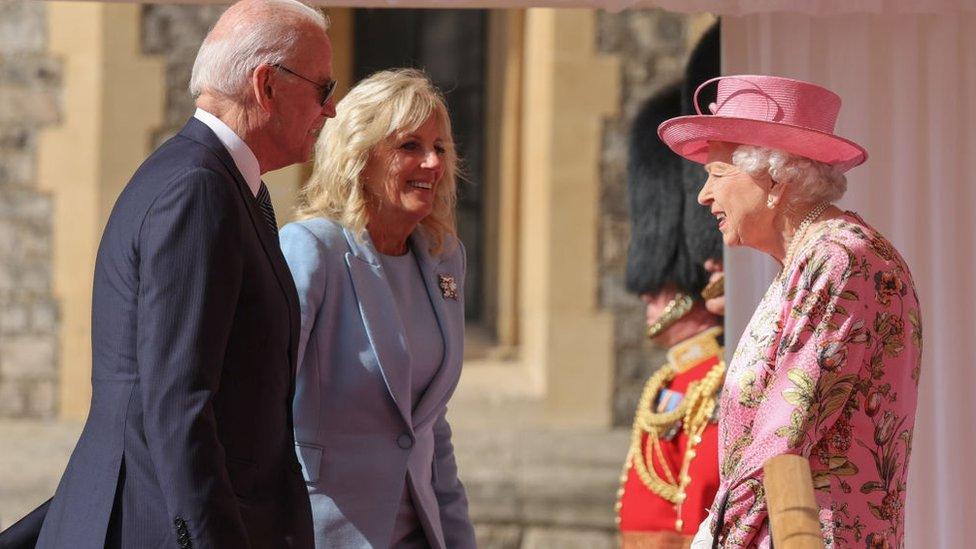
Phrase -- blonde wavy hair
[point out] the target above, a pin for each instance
(378, 108)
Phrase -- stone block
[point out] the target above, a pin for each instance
(8, 237)
(32, 356)
(19, 105)
(16, 167)
(624, 405)
(632, 330)
(553, 538)
(614, 292)
(16, 155)
(44, 316)
(671, 28)
(570, 495)
(633, 367)
(14, 138)
(7, 274)
(616, 234)
(175, 32)
(35, 209)
(13, 400)
(34, 277)
(35, 245)
(494, 536)
(22, 27)
(492, 497)
(14, 318)
(36, 72)
(42, 399)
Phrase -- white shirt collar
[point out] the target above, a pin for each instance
(243, 157)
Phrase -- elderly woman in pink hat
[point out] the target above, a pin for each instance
(828, 366)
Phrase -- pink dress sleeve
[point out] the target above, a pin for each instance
(800, 380)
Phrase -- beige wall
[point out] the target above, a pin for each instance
(565, 343)
(113, 98)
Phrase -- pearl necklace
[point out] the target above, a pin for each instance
(812, 216)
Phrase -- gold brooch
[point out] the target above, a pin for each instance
(448, 286)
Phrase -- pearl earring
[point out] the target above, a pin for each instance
(769, 203)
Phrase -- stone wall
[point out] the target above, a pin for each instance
(653, 46)
(29, 101)
(174, 33)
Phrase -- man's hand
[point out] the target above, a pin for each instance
(715, 305)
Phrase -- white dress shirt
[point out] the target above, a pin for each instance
(242, 155)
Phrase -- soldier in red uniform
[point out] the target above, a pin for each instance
(671, 472)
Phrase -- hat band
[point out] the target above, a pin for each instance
(694, 98)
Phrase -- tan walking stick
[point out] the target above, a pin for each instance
(793, 513)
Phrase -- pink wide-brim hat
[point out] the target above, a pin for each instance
(766, 111)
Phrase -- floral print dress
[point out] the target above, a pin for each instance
(827, 368)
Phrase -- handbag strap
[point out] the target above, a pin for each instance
(720, 521)
(720, 518)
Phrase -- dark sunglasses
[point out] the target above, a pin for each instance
(325, 90)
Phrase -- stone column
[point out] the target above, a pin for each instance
(569, 88)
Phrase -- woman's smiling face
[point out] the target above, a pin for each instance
(736, 199)
(403, 172)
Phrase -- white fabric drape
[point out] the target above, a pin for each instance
(717, 7)
(908, 84)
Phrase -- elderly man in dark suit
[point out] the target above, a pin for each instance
(195, 317)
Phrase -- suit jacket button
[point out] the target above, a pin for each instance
(405, 441)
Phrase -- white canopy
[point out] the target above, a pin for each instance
(718, 7)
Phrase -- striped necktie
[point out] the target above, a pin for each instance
(264, 200)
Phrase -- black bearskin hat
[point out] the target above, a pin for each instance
(671, 234)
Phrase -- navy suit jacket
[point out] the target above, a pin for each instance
(195, 326)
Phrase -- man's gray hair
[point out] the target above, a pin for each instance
(267, 35)
(810, 181)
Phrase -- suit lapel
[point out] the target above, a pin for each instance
(377, 306)
(450, 319)
(201, 133)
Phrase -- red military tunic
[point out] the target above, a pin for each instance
(641, 510)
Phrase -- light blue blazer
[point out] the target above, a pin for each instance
(356, 434)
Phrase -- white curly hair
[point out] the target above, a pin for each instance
(266, 32)
(810, 181)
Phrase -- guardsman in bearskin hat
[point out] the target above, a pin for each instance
(671, 472)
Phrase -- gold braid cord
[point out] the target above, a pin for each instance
(674, 311)
(694, 411)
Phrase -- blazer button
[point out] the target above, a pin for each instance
(405, 441)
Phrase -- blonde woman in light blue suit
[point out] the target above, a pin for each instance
(380, 272)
